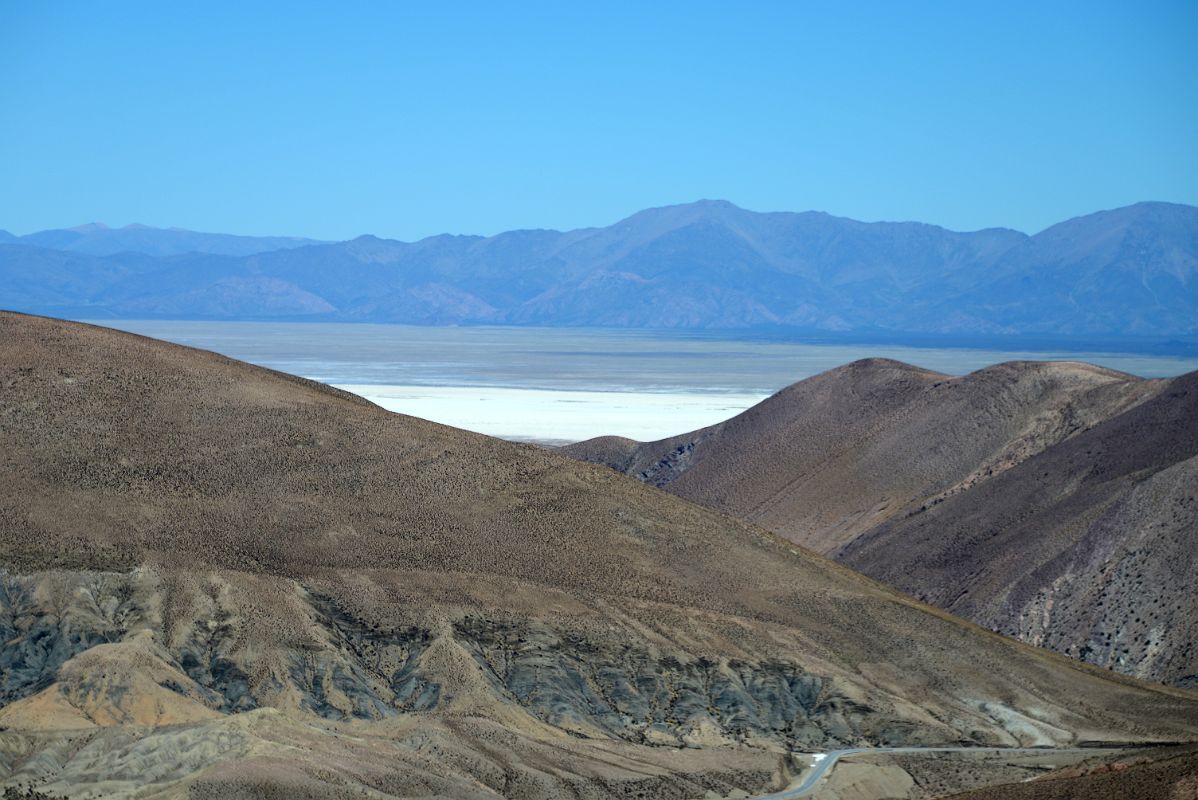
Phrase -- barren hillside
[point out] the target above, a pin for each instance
(1048, 501)
(227, 579)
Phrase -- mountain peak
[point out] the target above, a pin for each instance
(1153, 212)
(664, 218)
(715, 204)
(705, 207)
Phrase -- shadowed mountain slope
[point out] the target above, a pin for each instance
(1129, 272)
(977, 494)
(194, 541)
(1089, 548)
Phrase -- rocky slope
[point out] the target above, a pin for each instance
(1089, 548)
(1049, 501)
(239, 583)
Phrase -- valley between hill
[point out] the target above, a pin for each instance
(1053, 502)
(228, 581)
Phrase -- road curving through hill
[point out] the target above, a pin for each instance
(806, 784)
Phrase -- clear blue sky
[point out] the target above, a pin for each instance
(406, 119)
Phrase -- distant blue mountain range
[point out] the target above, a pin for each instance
(1131, 272)
(97, 239)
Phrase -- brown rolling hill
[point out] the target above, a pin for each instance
(1049, 501)
(223, 581)
(830, 457)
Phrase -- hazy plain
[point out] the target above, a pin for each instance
(569, 384)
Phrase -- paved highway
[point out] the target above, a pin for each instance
(813, 776)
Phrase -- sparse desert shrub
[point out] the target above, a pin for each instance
(26, 793)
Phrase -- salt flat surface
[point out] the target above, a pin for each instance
(558, 416)
(568, 384)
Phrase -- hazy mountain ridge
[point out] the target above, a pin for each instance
(1049, 501)
(100, 240)
(1127, 272)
